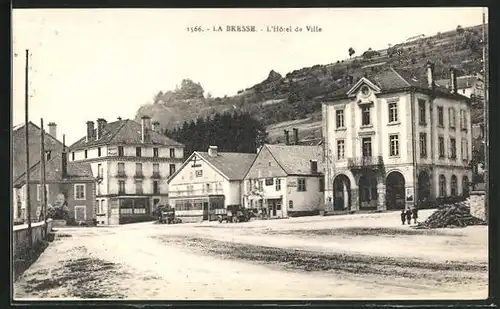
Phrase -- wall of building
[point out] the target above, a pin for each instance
(308, 201)
(128, 151)
(112, 185)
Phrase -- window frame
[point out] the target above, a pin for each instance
(366, 111)
(393, 112)
(301, 184)
(422, 112)
(340, 118)
(453, 148)
(440, 116)
(339, 143)
(277, 184)
(422, 139)
(138, 152)
(75, 192)
(366, 140)
(156, 152)
(441, 147)
(394, 138)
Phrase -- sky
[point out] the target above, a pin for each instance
(105, 63)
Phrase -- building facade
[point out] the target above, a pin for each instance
(285, 180)
(131, 163)
(207, 183)
(393, 140)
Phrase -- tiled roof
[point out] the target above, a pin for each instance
(463, 82)
(233, 165)
(77, 171)
(390, 79)
(295, 159)
(19, 147)
(124, 132)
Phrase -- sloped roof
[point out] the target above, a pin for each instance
(295, 159)
(19, 147)
(233, 165)
(77, 171)
(391, 79)
(124, 132)
(463, 82)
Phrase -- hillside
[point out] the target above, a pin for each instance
(293, 100)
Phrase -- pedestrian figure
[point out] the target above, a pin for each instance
(415, 214)
(403, 217)
(408, 216)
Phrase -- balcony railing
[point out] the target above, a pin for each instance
(121, 174)
(365, 162)
(139, 175)
(156, 175)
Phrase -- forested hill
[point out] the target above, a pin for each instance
(296, 95)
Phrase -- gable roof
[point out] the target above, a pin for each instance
(295, 159)
(390, 79)
(77, 171)
(124, 132)
(19, 147)
(233, 165)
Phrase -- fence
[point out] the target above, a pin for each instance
(21, 237)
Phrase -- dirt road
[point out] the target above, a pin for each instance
(343, 257)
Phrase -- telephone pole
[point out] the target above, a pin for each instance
(26, 127)
(485, 120)
(43, 209)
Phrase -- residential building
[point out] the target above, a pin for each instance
(207, 183)
(52, 147)
(68, 185)
(131, 163)
(286, 180)
(470, 86)
(394, 139)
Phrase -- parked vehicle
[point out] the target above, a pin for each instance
(166, 214)
(235, 213)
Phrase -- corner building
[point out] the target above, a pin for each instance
(395, 140)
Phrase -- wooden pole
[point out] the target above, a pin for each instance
(26, 127)
(485, 121)
(43, 212)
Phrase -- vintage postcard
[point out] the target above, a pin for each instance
(250, 154)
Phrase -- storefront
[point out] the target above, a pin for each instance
(195, 209)
(130, 209)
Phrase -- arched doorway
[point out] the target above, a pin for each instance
(465, 186)
(424, 187)
(368, 191)
(395, 191)
(341, 193)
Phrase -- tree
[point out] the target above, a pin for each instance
(351, 51)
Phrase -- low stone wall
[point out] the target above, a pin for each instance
(476, 202)
(21, 237)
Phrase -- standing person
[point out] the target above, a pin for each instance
(403, 217)
(408, 216)
(415, 214)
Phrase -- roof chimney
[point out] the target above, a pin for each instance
(212, 151)
(430, 75)
(296, 136)
(145, 128)
(287, 137)
(453, 80)
(156, 126)
(53, 129)
(90, 130)
(64, 159)
(101, 123)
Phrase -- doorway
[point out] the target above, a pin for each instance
(205, 210)
(395, 191)
(341, 193)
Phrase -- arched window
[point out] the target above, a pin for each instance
(442, 185)
(465, 186)
(454, 185)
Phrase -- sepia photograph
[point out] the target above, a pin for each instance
(250, 154)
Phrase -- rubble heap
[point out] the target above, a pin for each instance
(451, 215)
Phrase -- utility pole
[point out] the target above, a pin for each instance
(26, 127)
(43, 212)
(485, 121)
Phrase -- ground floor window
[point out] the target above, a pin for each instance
(133, 206)
(193, 204)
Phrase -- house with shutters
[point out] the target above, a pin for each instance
(131, 163)
(285, 181)
(207, 183)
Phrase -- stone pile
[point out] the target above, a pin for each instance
(451, 215)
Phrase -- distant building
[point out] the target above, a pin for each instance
(394, 139)
(71, 186)
(207, 182)
(131, 163)
(468, 85)
(286, 180)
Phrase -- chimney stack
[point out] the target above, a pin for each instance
(212, 151)
(53, 129)
(453, 80)
(145, 128)
(430, 75)
(296, 136)
(64, 159)
(287, 137)
(101, 123)
(156, 126)
(90, 130)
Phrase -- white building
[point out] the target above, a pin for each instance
(207, 182)
(391, 133)
(286, 180)
(131, 163)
